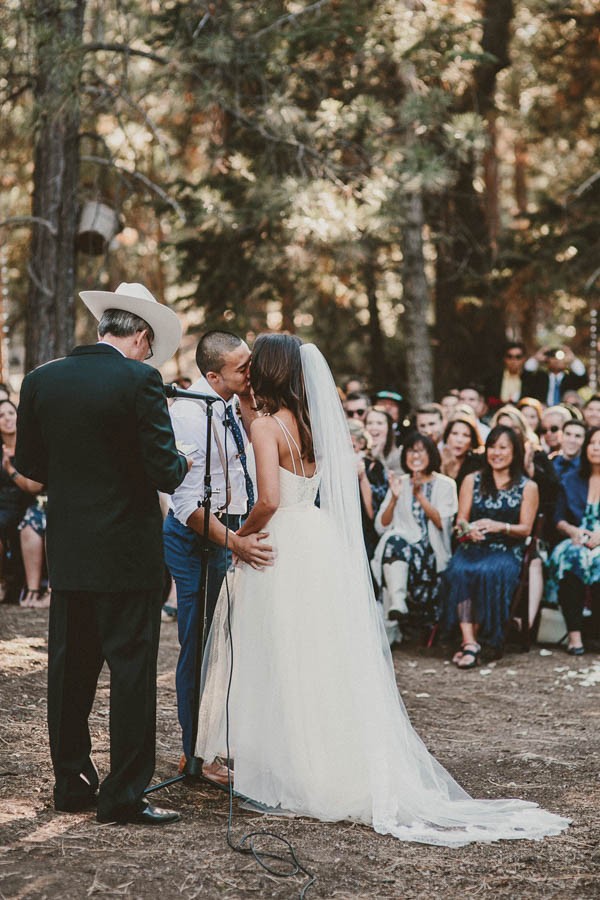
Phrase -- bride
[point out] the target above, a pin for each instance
(316, 723)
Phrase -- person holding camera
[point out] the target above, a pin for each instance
(575, 562)
(557, 371)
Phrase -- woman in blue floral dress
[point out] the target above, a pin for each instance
(496, 512)
(575, 562)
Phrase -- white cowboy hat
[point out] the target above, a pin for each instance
(137, 299)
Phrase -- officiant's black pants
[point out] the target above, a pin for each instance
(87, 629)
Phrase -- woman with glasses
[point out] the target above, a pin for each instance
(415, 521)
(496, 511)
(575, 562)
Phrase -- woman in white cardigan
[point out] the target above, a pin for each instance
(415, 521)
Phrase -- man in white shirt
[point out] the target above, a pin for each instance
(224, 361)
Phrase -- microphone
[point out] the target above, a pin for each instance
(173, 390)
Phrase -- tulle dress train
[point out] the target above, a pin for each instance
(317, 726)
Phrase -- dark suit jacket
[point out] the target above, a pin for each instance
(570, 382)
(530, 387)
(572, 498)
(95, 429)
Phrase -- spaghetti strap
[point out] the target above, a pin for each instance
(289, 436)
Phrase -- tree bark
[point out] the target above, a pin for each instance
(52, 264)
(419, 361)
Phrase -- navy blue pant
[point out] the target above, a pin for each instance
(183, 557)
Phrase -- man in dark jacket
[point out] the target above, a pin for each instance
(95, 429)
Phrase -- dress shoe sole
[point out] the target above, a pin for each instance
(141, 819)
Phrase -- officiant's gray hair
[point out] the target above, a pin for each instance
(212, 348)
(121, 323)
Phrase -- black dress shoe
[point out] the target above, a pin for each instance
(146, 815)
(576, 651)
(78, 804)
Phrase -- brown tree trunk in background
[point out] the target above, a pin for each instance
(52, 263)
(470, 327)
(376, 349)
(415, 297)
(492, 204)
(521, 162)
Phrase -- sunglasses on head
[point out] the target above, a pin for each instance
(552, 428)
(355, 412)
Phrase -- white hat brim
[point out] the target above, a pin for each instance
(162, 320)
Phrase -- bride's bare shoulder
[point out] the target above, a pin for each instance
(262, 426)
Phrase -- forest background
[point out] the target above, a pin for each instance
(406, 182)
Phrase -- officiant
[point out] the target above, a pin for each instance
(224, 363)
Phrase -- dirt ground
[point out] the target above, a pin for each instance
(526, 726)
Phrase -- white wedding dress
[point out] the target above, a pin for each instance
(316, 723)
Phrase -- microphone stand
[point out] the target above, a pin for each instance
(193, 766)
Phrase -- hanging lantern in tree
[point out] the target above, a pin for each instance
(98, 225)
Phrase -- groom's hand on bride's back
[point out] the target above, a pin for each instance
(254, 550)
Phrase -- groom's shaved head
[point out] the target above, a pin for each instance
(212, 349)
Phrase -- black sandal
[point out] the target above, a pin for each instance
(472, 653)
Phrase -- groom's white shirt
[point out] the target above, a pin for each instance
(189, 424)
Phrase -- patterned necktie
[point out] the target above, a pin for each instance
(241, 449)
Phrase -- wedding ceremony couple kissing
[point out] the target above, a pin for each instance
(313, 679)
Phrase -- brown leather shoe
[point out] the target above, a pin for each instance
(182, 764)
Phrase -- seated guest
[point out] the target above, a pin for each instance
(591, 412)
(496, 512)
(553, 421)
(15, 491)
(372, 482)
(32, 532)
(474, 396)
(572, 399)
(460, 453)
(532, 411)
(356, 405)
(380, 427)
(415, 521)
(575, 562)
(557, 371)
(573, 436)
(511, 382)
(429, 420)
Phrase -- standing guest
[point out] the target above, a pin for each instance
(557, 370)
(575, 562)
(591, 412)
(461, 451)
(429, 420)
(354, 385)
(415, 521)
(568, 458)
(393, 402)
(372, 482)
(511, 382)
(380, 428)
(496, 512)
(532, 411)
(15, 494)
(357, 405)
(449, 402)
(553, 421)
(94, 428)
(474, 396)
(224, 362)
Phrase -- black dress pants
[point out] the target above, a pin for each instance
(571, 596)
(87, 629)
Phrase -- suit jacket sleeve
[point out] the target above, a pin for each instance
(164, 465)
(30, 456)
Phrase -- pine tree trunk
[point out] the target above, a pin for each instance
(419, 361)
(376, 349)
(52, 264)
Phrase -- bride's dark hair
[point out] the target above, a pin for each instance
(277, 380)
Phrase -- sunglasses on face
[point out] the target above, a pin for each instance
(355, 412)
(551, 428)
(514, 356)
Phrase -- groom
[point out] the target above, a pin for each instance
(94, 428)
(224, 363)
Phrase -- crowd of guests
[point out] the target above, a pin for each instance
(465, 499)
(452, 494)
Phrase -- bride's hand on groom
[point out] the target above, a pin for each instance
(253, 550)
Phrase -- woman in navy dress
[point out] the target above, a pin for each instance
(496, 512)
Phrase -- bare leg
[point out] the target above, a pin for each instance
(32, 548)
(536, 588)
